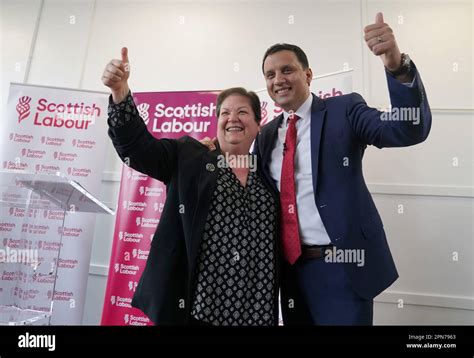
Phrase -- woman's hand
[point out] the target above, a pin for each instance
(116, 75)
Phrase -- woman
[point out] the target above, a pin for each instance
(213, 257)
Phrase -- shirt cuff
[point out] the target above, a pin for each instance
(123, 112)
(410, 84)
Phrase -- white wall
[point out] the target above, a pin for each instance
(195, 46)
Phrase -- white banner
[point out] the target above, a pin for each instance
(51, 130)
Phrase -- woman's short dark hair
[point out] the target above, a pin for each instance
(287, 47)
(252, 96)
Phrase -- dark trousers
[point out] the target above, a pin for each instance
(315, 292)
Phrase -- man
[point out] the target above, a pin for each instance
(335, 253)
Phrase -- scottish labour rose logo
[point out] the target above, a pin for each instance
(264, 113)
(143, 111)
(23, 107)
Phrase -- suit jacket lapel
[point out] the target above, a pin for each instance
(271, 137)
(267, 145)
(318, 115)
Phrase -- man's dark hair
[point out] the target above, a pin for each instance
(252, 96)
(300, 55)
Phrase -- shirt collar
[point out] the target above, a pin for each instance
(304, 112)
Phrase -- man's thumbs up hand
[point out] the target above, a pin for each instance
(381, 41)
(116, 75)
(379, 18)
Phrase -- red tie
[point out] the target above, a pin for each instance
(290, 234)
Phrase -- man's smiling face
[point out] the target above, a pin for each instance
(287, 81)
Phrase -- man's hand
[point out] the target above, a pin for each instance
(115, 77)
(381, 41)
(209, 143)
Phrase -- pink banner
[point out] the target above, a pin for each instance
(141, 198)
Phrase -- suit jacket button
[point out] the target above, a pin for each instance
(210, 167)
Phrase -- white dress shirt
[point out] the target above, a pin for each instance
(311, 227)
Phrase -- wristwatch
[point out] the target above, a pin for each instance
(405, 66)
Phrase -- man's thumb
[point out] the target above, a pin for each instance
(124, 55)
(379, 18)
